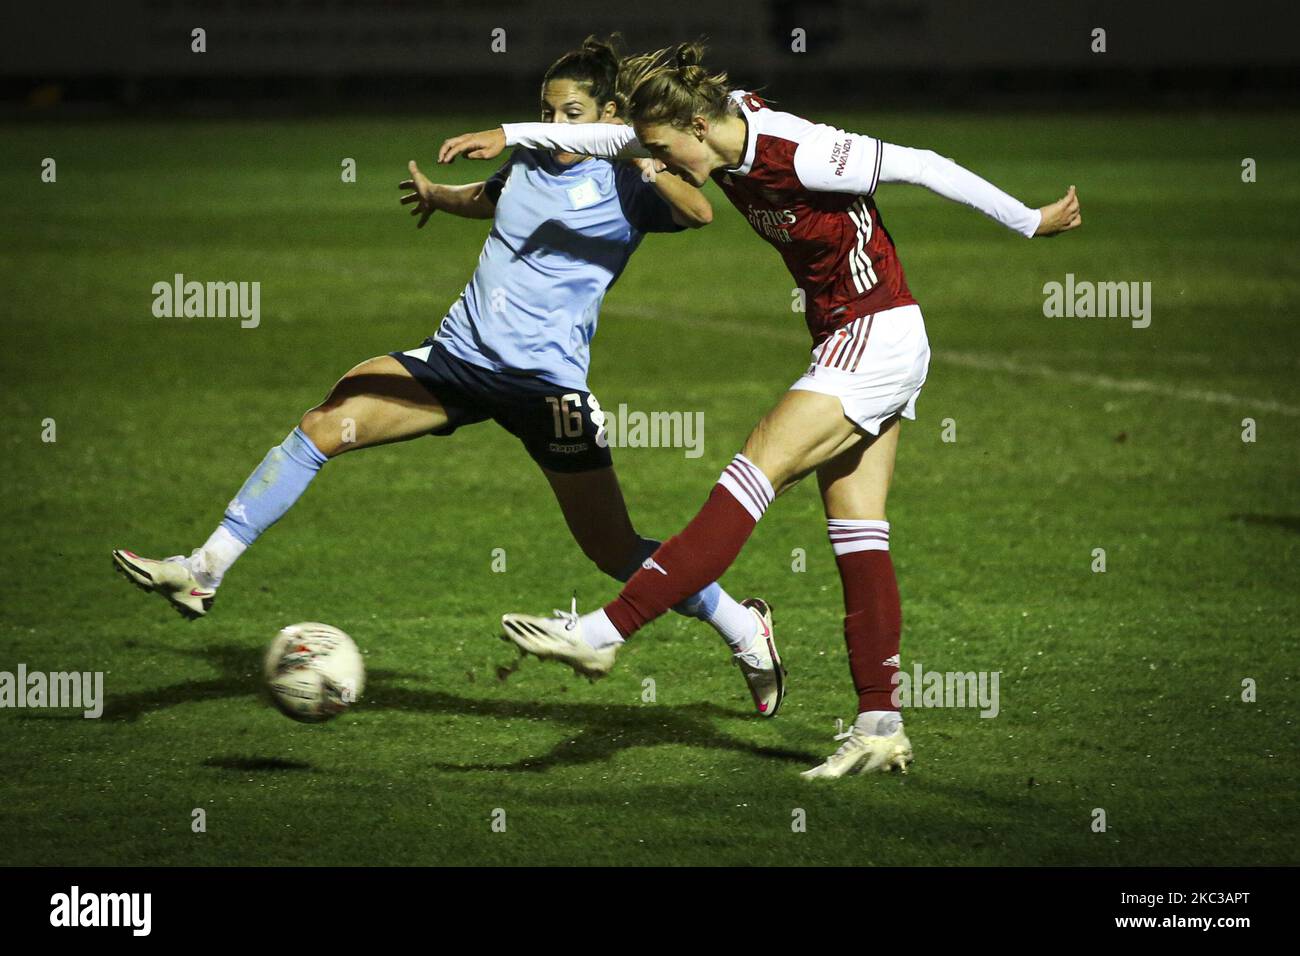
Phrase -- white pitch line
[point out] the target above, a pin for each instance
(795, 335)
(1137, 386)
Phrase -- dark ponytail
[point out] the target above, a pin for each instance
(597, 65)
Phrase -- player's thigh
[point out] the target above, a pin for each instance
(855, 483)
(594, 509)
(377, 402)
(803, 431)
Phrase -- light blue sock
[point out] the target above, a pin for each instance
(271, 490)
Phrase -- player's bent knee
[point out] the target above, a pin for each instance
(780, 471)
(327, 431)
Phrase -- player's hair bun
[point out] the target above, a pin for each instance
(688, 58)
(688, 54)
(602, 52)
(672, 85)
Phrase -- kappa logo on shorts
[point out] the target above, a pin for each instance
(584, 194)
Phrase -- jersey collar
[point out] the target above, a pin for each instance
(751, 137)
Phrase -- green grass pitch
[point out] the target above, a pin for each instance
(1119, 690)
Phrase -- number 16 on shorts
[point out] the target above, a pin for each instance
(566, 412)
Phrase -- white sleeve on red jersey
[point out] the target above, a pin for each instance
(610, 140)
(831, 160)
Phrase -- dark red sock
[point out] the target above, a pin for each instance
(873, 622)
(699, 554)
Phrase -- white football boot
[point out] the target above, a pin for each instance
(558, 638)
(172, 578)
(761, 664)
(864, 752)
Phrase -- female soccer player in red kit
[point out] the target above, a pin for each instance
(807, 189)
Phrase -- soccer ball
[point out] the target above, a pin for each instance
(314, 672)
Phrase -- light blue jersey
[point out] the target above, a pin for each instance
(560, 237)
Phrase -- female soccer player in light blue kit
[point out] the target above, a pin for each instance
(515, 347)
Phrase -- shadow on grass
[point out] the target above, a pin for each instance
(1285, 522)
(255, 763)
(607, 728)
(239, 677)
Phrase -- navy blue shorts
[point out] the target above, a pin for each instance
(562, 428)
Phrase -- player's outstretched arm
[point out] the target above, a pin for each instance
(609, 140)
(834, 160)
(469, 201)
(924, 167)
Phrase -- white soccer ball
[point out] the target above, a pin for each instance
(314, 672)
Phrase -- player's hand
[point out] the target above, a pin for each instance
(425, 192)
(484, 145)
(650, 168)
(1060, 216)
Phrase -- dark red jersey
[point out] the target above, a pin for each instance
(806, 188)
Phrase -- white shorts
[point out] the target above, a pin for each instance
(875, 366)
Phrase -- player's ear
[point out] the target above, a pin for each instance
(700, 127)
